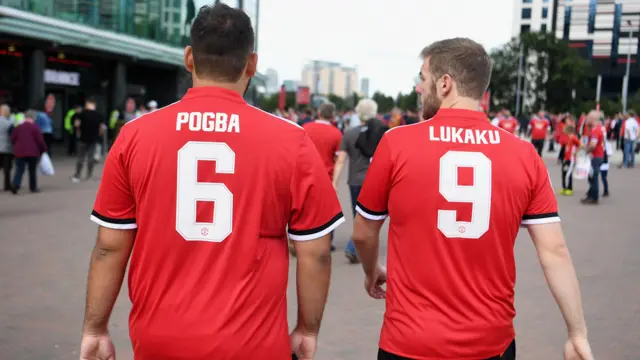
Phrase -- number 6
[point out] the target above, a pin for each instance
(189, 190)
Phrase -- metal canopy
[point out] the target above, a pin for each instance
(25, 24)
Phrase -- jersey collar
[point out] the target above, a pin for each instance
(460, 113)
(213, 91)
(325, 122)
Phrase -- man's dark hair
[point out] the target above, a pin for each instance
(308, 112)
(221, 39)
(90, 99)
(464, 60)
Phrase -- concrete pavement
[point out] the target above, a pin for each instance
(46, 239)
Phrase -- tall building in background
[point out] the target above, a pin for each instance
(364, 87)
(325, 77)
(598, 29)
(273, 86)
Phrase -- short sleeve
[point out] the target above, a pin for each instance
(374, 196)
(543, 207)
(115, 205)
(315, 208)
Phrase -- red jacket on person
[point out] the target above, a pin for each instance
(27, 140)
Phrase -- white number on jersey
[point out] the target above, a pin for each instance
(189, 191)
(478, 194)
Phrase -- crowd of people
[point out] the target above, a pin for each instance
(210, 188)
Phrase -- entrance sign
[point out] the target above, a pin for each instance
(61, 77)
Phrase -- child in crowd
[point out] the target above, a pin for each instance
(570, 149)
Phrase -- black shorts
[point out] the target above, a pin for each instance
(509, 354)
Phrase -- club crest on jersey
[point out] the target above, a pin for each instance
(208, 121)
(464, 136)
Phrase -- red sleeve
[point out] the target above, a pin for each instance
(575, 140)
(315, 209)
(543, 207)
(374, 196)
(115, 205)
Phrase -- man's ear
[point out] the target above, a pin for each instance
(252, 65)
(188, 59)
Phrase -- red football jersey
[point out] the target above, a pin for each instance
(211, 184)
(539, 128)
(326, 138)
(571, 147)
(509, 124)
(456, 190)
(596, 137)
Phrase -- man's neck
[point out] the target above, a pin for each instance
(235, 87)
(460, 102)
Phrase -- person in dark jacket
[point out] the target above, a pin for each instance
(28, 146)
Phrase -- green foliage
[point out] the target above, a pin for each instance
(385, 103)
(270, 102)
(552, 71)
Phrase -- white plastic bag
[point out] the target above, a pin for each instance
(46, 166)
(97, 154)
(583, 167)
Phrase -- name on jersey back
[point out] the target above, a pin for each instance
(208, 121)
(463, 136)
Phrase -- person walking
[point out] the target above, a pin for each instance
(90, 127)
(630, 137)
(596, 147)
(366, 110)
(44, 122)
(451, 278)
(6, 151)
(28, 146)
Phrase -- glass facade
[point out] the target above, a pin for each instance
(164, 21)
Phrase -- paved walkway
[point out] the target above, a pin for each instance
(46, 240)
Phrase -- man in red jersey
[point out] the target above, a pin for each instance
(325, 136)
(451, 262)
(595, 147)
(509, 123)
(204, 213)
(539, 127)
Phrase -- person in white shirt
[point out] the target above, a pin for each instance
(630, 136)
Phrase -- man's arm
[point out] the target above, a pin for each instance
(366, 238)
(560, 274)
(337, 168)
(313, 272)
(108, 265)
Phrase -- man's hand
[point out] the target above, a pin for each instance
(97, 347)
(577, 348)
(303, 345)
(373, 283)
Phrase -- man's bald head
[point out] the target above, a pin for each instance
(593, 117)
(5, 110)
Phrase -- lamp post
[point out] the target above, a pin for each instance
(625, 83)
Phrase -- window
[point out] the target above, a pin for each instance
(545, 12)
(176, 18)
(526, 13)
(525, 28)
(547, 1)
(543, 28)
(177, 4)
(527, 1)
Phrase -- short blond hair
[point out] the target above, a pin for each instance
(367, 109)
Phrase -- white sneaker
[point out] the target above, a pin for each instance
(75, 180)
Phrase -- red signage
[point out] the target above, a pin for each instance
(303, 96)
(282, 100)
(485, 101)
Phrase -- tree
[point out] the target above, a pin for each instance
(337, 101)
(407, 101)
(552, 70)
(352, 100)
(270, 102)
(385, 103)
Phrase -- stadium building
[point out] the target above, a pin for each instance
(110, 49)
(604, 32)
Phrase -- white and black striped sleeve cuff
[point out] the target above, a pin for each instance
(118, 224)
(540, 219)
(370, 214)
(320, 231)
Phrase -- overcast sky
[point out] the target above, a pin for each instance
(382, 38)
